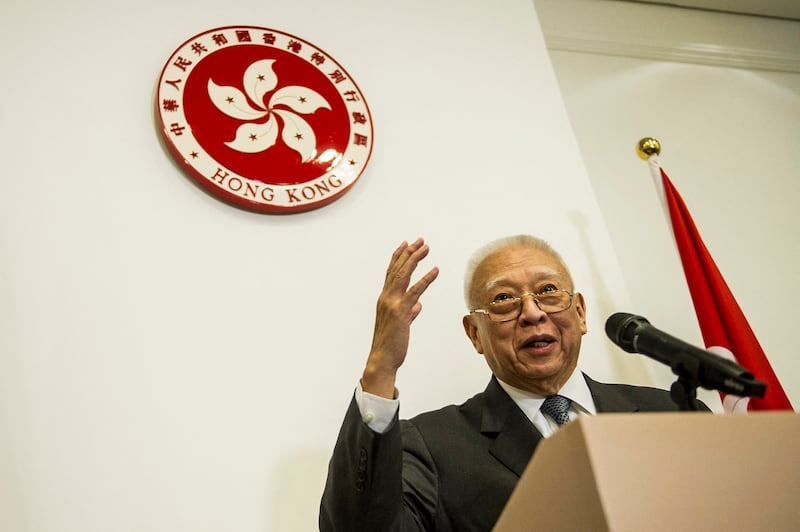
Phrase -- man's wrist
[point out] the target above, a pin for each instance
(378, 383)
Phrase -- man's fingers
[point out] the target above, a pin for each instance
(424, 282)
(404, 261)
(395, 258)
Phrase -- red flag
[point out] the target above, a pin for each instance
(724, 328)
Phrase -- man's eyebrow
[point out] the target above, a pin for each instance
(541, 276)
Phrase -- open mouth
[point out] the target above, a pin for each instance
(538, 342)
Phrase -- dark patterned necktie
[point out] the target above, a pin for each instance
(557, 408)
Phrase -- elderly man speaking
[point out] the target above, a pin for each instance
(453, 469)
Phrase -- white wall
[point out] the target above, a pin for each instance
(729, 122)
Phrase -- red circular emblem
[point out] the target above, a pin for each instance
(263, 119)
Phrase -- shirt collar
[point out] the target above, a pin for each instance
(575, 389)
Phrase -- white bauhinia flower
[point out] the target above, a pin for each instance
(253, 137)
(259, 79)
(233, 102)
(300, 99)
(297, 134)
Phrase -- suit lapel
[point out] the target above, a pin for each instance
(516, 437)
(608, 399)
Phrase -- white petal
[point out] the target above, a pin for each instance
(259, 79)
(233, 102)
(299, 99)
(298, 135)
(253, 138)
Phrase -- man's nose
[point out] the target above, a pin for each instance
(530, 309)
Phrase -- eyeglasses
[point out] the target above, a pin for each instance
(510, 308)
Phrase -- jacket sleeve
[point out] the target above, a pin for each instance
(374, 483)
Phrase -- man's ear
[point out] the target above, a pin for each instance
(472, 332)
(580, 308)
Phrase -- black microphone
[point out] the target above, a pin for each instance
(634, 334)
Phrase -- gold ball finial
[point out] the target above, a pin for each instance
(647, 147)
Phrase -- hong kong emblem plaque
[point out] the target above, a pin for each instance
(264, 120)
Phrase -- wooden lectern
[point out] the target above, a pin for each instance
(668, 472)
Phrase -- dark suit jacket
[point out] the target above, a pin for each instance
(452, 469)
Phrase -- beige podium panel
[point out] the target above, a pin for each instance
(666, 472)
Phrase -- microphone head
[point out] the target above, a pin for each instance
(621, 329)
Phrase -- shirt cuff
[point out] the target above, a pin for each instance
(378, 413)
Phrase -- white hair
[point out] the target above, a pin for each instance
(496, 245)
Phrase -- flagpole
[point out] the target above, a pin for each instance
(649, 149)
